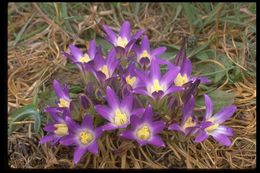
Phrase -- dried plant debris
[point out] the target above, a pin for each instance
(221, 46)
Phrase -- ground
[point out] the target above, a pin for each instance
(221, 39)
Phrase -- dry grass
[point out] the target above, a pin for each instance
(35, 59)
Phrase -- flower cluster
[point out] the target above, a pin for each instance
(131, 93)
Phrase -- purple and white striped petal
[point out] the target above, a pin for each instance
(76, 52)
(47, 138)
(224, 114)
(92, 49)
(157, 141)
(202, 136)
(169, 76)
(49, 127)
(186, 68)
(148, 114)
(104, 111)
(158, 51)
(158, 126)
(111, 36)
(221, 138)
(125, 30)
(128, 134)
(112, 98)
(68, 140)
(93, 147)
(127, 102)
(78, 153)
(155, 70)
(58, 90)
(209, 107)
(88, 122)
(175, 127)
(109, 127)
(73, 126)
(188, 109)
(145, 44)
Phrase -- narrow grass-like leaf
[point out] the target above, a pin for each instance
(23, 113)
(19, 35)
(219, 98)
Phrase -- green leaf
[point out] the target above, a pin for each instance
(18, 37)
(23, 113)
(105, 45)
(212, 16)
(194, 52)
(219, 98)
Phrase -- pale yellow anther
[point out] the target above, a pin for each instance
(212, 127)
(85, 137)
(104, 69)
(120, 117)
(143, 133)
(130, 80)
(188, 123)
(64, 103)
(156, 86)
(61, 129)
(180, 80)
(122, 42)
(144, 54)
(85, 58)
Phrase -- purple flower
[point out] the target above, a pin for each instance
(184, 76)
(129, 77)
(82, 136)
(145, 55)
(57, 129)
(105, 68)
(83, 60)
(62, 94)
(211, 125)
(124, 41)
(156, 86)
(118, 114)
(144, 130)
(188, 122)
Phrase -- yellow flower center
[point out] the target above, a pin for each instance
(130, 80)
(64, 103)
(143, 133)
(189, 123)
(120, 118)
(180, 80)
(212, 127)
(156, 86)
(85, 58)
(85, 137)
(104, 70)
(122, 42)
(61, 129)
(144, 54)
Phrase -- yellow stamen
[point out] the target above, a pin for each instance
(85, 137)
(120, 118)
(189, 123)
(85, 58)
(144, 54)
(64, 103)
(61, 129)
(122, 42)
(156, 86)
(180, 80)
(130, 80)
(212, 127)
(104, 70)
(143, 133)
